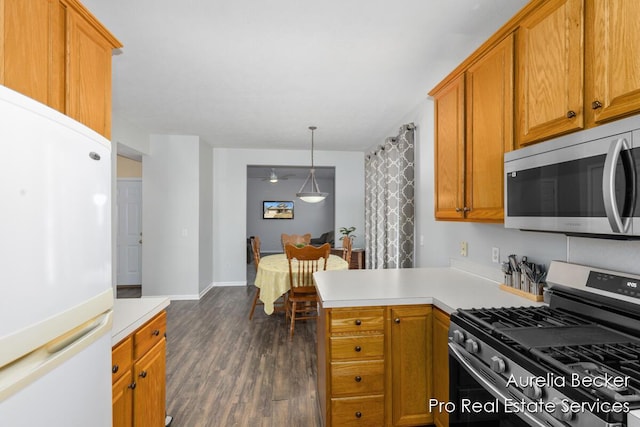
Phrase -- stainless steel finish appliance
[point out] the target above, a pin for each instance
(585, 183)
(573, 362)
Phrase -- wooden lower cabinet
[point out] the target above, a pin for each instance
(139, 375)
(374, 365)
(440, 364)
(410, 363)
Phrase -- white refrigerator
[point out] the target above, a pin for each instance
(55, 268)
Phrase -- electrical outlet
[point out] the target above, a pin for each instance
(495, 255)
(464, 246)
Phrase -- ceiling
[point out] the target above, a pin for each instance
(256, 74)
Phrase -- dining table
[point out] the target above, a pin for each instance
(272, 277)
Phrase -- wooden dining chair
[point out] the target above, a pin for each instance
(347, 247)
(295, 239)
(255, 248)
(302, 302)
(279, 304)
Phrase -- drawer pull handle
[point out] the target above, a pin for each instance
(358, 378)
(397, 320)
(155, 332)
(132, 385)
(358, 414)
(358, 348)
(358, 322)
(143, 374)
(115, 368)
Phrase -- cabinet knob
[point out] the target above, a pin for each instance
(358, 378)
(358, 348)
(143, 374)
(397, 320)
(132, 385)
(155, 332)
(358, 414)
(458, 210)
(115, 368)
(571, 114)
(466, 209)
(358, 322)
(596, 104)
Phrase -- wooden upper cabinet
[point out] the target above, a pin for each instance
(56, 52)
(449, 150)
(89, 75)
(489, 120)
(549, 86)
(612, 59)
(474, 128)
(25, 58)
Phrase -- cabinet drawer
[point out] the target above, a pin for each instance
(357, 347)
(121, 358)
(351, 320)
(350, 378)
(360, 411)
(150, 334)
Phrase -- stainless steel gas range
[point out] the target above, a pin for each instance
(573, 362)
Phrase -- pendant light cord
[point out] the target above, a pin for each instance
(313, 128)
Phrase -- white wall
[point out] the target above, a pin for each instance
(170, 217)
(442, 238)
(230, 203)
(314, 218)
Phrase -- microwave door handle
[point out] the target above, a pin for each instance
(609, 187)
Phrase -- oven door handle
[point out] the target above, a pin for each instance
(488, 385)
(616, 150)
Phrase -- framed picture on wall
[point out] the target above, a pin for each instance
(277, 209)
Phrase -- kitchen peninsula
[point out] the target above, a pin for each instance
(139, 361)
(382, 341)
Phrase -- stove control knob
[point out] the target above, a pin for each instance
(533, 391)
(497, 364)
(458, 337)
(563, 409)
(471, 346)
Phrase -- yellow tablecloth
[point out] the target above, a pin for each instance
(272, 277)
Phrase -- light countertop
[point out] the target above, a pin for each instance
(446, 288)
(131, 313)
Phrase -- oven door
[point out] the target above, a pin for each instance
(584, 188)
(479, 396)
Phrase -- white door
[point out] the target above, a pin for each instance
(129, 231)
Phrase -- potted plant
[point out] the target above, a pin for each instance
(346, 232)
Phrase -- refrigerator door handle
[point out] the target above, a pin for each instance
(20, 373)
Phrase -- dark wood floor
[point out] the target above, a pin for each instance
(225, 370)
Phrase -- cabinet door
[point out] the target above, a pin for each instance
(149, 398)
(88, 75)
(449, 150)
(550, 71)
(411, 365)
(30, 51)
(489, 103)
(441, 364)
(613, 63)
(123, 401)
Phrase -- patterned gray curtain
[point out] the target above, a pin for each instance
(389, 202)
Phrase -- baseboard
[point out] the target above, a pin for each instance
(205, 290)
(218, 284)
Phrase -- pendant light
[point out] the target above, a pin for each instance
(314, 195)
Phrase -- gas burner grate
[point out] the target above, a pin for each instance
(496, 319)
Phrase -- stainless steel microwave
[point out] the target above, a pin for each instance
(585, 183)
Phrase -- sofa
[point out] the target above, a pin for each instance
(324, 238)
